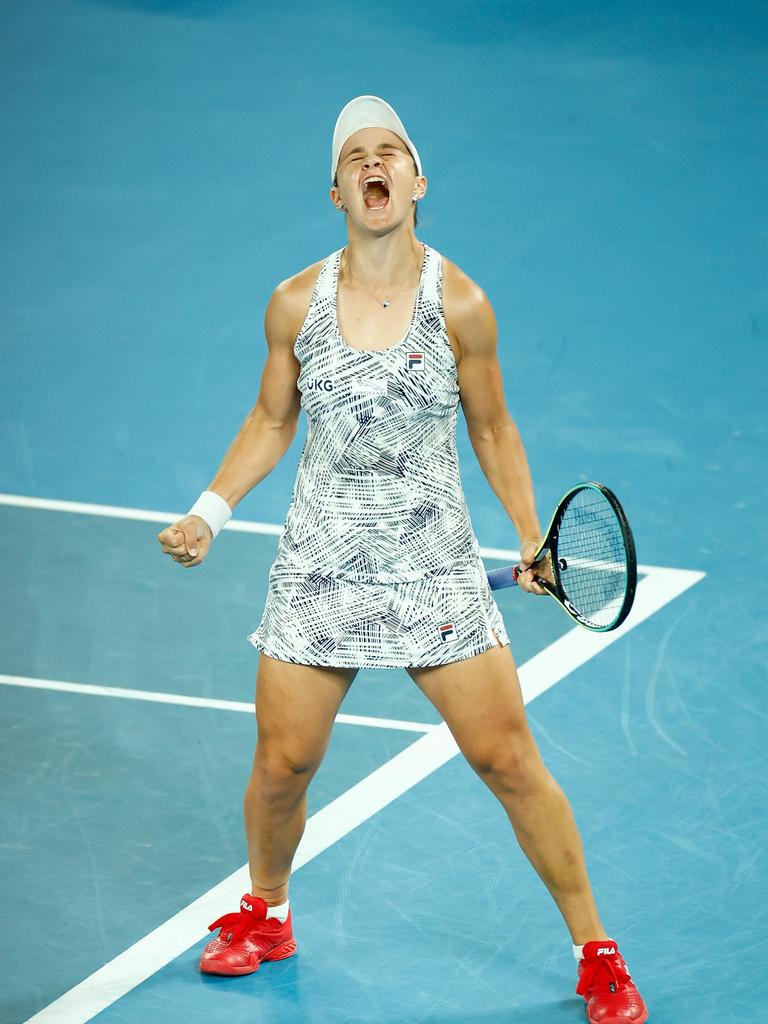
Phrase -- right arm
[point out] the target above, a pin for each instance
(268, 429)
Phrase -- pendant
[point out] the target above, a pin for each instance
(385, 304)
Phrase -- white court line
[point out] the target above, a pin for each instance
(336, 820)
(151, 516)
(117, 512)
(194, 702)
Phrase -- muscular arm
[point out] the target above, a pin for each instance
(269, 428)
(492, 431)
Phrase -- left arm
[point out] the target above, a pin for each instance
(492, 431)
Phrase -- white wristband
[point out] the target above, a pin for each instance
(212, 508)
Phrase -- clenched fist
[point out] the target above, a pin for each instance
(187, 541)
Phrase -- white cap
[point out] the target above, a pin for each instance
(367, 112)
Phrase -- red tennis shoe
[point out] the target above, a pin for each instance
(246, 939)
(607, 987)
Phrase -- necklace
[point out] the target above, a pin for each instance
(388, 302)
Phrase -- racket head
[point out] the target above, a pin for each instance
(591, 555)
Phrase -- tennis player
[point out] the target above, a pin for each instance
(378, 565)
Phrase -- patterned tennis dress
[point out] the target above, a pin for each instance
(378, 565)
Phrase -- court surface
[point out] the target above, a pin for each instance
(600, 172)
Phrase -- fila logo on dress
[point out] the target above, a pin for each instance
(414, 360)
(447, 632)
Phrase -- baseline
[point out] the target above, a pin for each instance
(246, 707)
(152, 516)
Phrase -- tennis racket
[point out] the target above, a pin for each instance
(590, 552)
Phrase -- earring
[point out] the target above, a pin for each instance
(414, 197)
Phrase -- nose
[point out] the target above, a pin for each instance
(372, 161)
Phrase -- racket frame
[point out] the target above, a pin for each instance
(548, 550)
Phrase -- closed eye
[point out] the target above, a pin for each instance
(391, 152)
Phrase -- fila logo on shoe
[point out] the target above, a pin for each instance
(606, 951)
(246, 906)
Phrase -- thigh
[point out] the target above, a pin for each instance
(480, 701)
(296, 706)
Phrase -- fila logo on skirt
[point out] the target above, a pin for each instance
(414, 360)
(447, 632)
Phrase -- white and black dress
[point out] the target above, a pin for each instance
(378, 565)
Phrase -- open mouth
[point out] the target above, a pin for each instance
(375, 193)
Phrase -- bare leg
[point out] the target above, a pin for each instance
(295, 709)
(481, 702)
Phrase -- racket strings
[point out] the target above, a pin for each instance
(592, 558)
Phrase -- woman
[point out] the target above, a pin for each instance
(378, 564)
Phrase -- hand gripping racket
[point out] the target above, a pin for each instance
(590, 552)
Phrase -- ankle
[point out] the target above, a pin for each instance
(581, 938)
(274, 897)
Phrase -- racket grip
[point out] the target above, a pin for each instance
(504, 577)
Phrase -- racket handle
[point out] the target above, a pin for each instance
(507, 575)
(504, 577)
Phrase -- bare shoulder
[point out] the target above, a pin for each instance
(465, 304)
(279, 400)
(289, 304)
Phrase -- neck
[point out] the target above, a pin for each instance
(381, 263)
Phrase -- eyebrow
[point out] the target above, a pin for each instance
(381, 145)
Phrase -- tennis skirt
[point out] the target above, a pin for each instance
(312, 619)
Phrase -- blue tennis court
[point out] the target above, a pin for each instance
(600, 171)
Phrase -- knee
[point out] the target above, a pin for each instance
(280, 773)
(510, 765)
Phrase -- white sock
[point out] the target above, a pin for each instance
(578, 952)
(280, 912)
